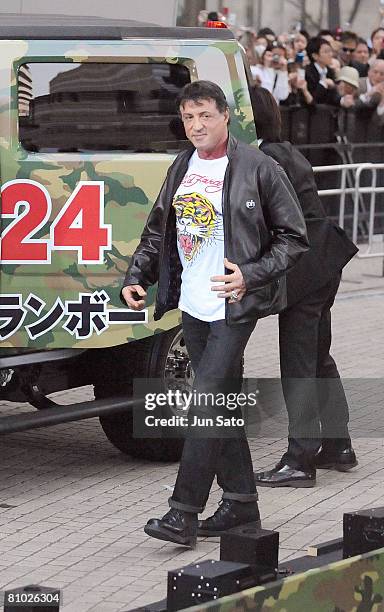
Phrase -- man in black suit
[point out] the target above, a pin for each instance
(313, 392)
(320, 77)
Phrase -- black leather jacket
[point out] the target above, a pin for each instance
(331, 248)
(264, 234)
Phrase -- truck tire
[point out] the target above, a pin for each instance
(160, 356)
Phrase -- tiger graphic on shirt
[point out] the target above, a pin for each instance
(198, 224)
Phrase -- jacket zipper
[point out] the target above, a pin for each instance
(224, 206)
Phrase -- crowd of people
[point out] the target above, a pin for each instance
(340, 69)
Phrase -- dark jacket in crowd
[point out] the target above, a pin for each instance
(362, 69)
(295, 98)
(264, 234)
(330, 248)
(321, 95)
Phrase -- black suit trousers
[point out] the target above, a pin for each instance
(313, 392)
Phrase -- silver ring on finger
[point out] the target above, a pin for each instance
(235, 295)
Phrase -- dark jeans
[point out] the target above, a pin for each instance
(216, 351)
(313, 392)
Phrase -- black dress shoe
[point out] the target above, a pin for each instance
(175, 526)
(284, 475)
(229, 514)
(341, 460)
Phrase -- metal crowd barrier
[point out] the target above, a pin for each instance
(311, 126)
(351, 173)
(346, 149)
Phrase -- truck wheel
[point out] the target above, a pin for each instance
(161, 356)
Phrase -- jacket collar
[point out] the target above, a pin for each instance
(232, 145)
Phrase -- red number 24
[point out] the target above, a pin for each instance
(78, 226)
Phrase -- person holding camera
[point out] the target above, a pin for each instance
(272, 72)
(300, 40)
(299, 94)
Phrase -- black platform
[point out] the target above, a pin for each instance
(286, 569)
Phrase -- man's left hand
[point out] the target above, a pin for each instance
(234, 283)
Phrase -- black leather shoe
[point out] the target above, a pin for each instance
(341, 460)
(284, 475)
(229, 514)
(175, 526)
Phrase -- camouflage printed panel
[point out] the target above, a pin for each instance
(74, 302)
(351, 585)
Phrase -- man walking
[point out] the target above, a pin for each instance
(313, 392)
(223, 231)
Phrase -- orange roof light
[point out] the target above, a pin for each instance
(215, 24)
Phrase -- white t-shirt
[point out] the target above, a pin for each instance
(200, 236)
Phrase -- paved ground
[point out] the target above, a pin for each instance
(72, 508)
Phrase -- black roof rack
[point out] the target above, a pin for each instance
(65, 27)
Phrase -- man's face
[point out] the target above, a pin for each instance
(376, 72)
(361, 54)
(205, 126)
(324, 56)
(347, 50)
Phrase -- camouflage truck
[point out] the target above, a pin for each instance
(88, 128)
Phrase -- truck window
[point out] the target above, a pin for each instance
(100, 107)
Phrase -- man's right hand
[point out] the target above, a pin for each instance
(135, 296)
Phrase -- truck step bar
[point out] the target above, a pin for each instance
(64, 414)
